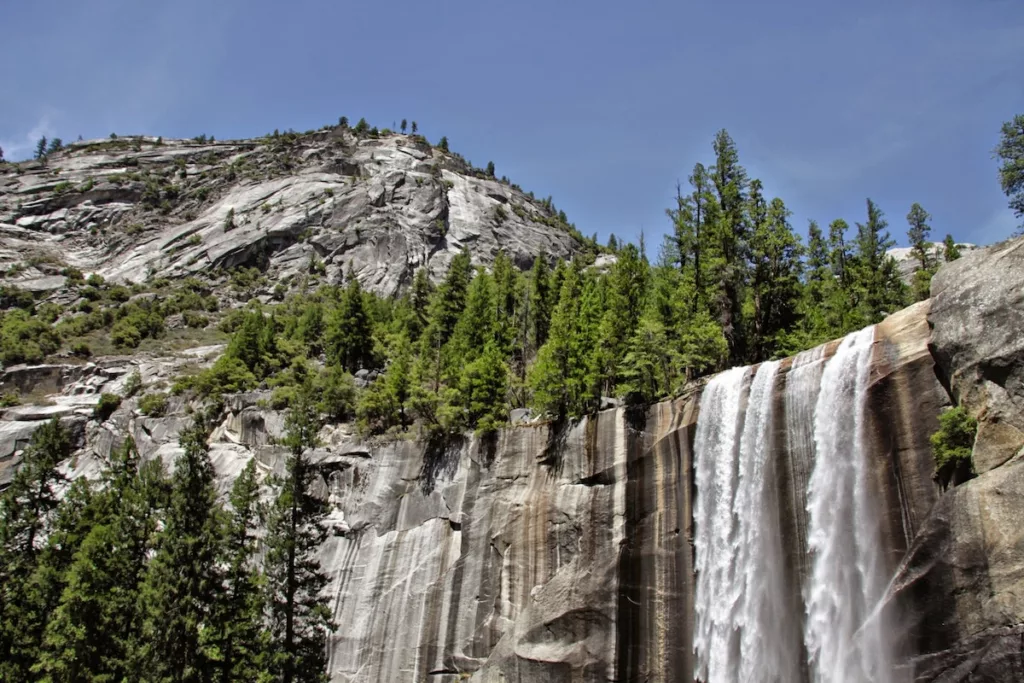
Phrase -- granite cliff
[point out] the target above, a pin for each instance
(135, 207)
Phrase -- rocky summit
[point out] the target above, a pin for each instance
(132, 208)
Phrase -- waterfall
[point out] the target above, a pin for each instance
(802, 383)
(743, 631)
(748, 621)
(848, 575)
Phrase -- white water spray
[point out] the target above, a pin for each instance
(847, 578)
(743, 629)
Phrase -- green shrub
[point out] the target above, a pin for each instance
(95, 280)
(153, 405)
(48, 312)
(337, 391)
(125, 335)
(10, 399)
(24, 339)
(72, 273)
(227, 375)
(15, 297)
(106, 407)
(119, 293)
(81, 349)
(953, 443)
(195, 320)
(133, 384)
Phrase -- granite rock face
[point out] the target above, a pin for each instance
(978, 319)
(130, 208)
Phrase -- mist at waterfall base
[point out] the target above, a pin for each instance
(813, 618)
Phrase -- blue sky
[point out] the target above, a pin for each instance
(602, 105)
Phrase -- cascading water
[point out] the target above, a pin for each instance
(743, 629)
(844, 642)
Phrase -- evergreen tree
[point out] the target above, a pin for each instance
(483, 388)
(55, 145)
(93, 635)
(1010, 152)
(422, 289)
(648, 366)
(237, 627)
(41, 148)
(542, 299)
(878, 285)
(730, 182)
(446, 307)
(950, 251)
(298, 615)
(490, 168)
(415, 128)
(920, 247)
(404, 125)
(775, 279)
(477, 322)
(625, 302)
(183, 580)
(918, 234)
(508, 293)
(443, 144)
(350, 332)
(27, 509)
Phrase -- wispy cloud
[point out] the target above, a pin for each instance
(20, 148)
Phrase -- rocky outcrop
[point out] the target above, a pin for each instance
(959, 587)
(132, 208)
(977, 316)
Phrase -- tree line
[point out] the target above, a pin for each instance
(142, 576)
(733, 283)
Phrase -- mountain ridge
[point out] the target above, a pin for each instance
(383, 205)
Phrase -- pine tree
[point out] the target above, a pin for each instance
(626, 299)
(1010, 152)
(404, 125)
(877, 281)
(508, 293)
(490, 168)
(183, 579)
(730, 182)
(237, 625)
(542, 299)
(477, 323)
(918, 234)
(93, 635)
(349, 341)
(41, 148)
(298, 614)
(443, 144)
(775, 253)
(648, 366)
(483, 389)
(950, 251)
(415, 128)
(27, 509)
